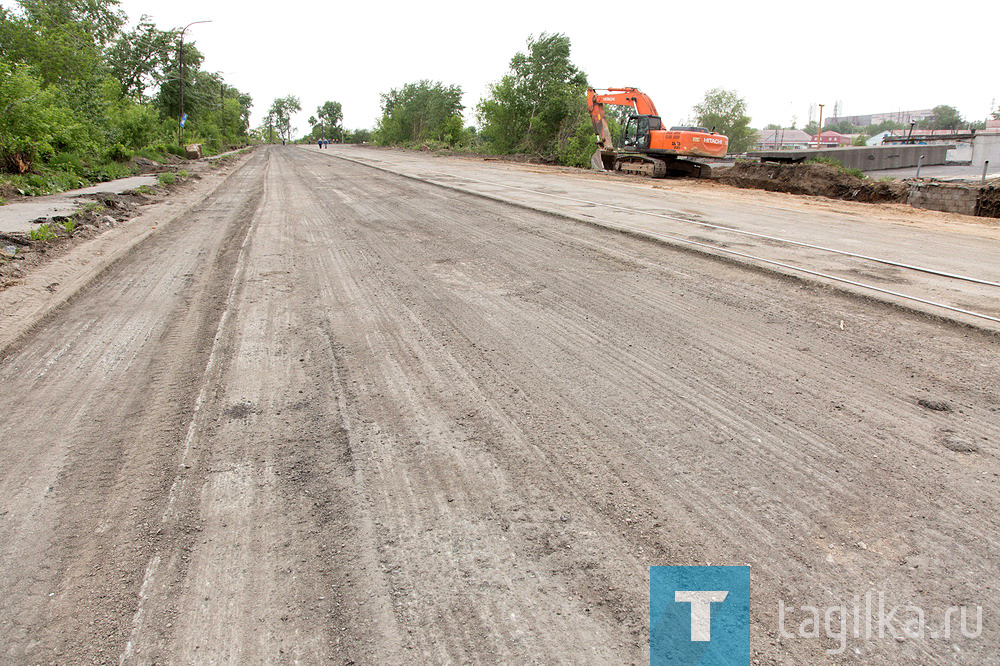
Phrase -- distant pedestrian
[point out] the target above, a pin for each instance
(320, 142)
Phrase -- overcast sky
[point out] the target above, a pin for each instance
(782, 57)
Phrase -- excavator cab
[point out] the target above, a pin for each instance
(637, 130)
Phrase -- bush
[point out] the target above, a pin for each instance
(118, 153)
(578, 148)
(135, 125)
(69, 162)
(167, 178)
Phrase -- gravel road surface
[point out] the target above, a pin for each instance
(334, 415)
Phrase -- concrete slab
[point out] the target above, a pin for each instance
(940, 172)
(21, 216)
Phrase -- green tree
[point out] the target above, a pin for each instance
(884, 126)
(34, 120)
(426, 110)
(945, 117)
(138, 58)
(811, 128)
(73, 91)
(281, 114)
(357, 136)
(539, 103)
(63, 39)
(329, 115)
(860, 140)
(773, 126)
(844, 127)
(725, 112)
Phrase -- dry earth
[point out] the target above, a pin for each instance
(334, 415)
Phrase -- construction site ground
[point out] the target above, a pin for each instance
(307, 410)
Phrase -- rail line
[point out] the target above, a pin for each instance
(716, 248)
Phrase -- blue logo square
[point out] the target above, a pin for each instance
(699, 615)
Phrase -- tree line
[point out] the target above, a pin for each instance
(81, 93)
(538, 107)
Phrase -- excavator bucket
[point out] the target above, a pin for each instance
(596, 162)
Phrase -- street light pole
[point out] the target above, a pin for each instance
(819, 131)
(180, 129)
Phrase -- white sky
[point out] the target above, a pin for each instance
(781, 56)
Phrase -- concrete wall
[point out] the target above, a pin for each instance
(986, 147)
(945, 197)
(961, 153)
(866, 158)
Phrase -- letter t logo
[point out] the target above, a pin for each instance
(701, 611)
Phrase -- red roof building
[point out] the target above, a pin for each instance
(831, 139)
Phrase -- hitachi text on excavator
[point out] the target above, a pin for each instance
(649, 149)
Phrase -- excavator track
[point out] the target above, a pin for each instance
(640, 165)
(653, 167)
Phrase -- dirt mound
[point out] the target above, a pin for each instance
(988, 204)
(821, 180)
(144, 165)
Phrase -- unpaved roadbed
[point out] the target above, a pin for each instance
(53, 277)
(334, 415)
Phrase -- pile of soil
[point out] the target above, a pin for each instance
(820, 180)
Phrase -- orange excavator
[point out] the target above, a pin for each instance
(650, 150)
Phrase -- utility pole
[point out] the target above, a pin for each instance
(222, 106)
(819, 131)
(183, 120)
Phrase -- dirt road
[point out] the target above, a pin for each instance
(335, 415)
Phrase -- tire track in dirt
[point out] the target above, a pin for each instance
(442, 429)
(97, 397)
(820, 461)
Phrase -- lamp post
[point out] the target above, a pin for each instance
(819, 130)
(180, 129)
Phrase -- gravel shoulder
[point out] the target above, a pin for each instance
(51, 274)
(331, 414)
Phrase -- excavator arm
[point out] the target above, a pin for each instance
(632, 97)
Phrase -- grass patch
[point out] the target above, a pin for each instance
(69, 226)
(43, 232)
(93, 207)
(144, 189)
(837, 164)
(167, 178)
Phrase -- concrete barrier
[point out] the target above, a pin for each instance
(866, 158)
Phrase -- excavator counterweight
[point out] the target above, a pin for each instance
(649, 149)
